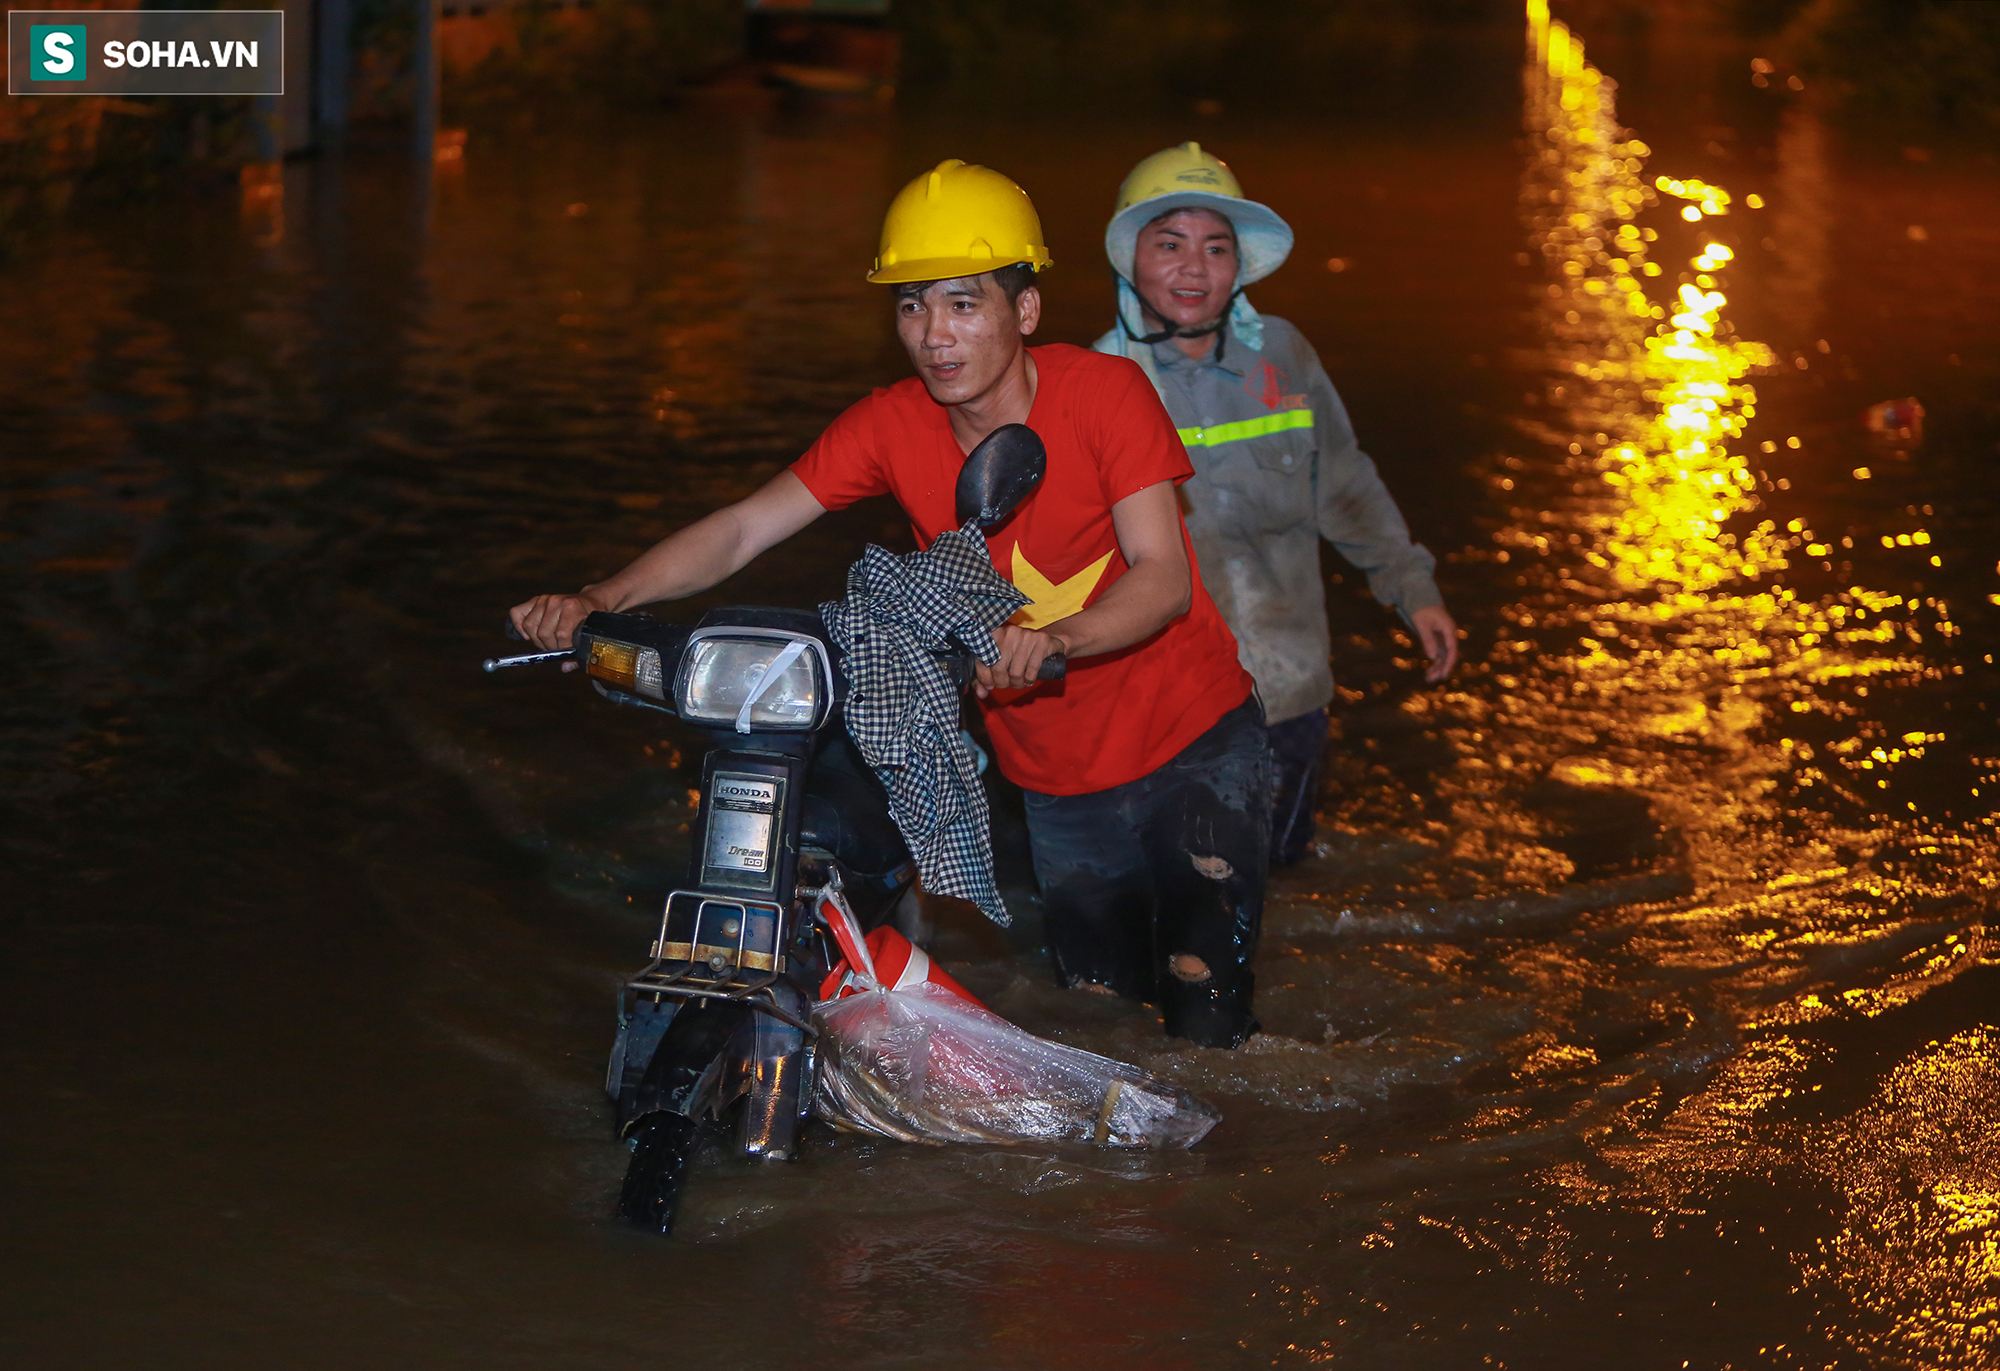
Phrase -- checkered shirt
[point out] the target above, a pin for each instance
(902, 705)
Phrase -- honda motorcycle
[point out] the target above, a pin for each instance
(717, 1027)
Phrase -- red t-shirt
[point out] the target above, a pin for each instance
(1118, 716)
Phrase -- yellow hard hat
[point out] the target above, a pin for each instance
(958, 220)
(1187, 177)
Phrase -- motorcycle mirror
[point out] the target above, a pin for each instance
(999, 474)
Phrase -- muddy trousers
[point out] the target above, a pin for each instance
(1169, 865)
(1298, 759)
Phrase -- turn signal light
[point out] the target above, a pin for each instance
(614, 663)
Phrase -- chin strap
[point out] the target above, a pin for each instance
(1240, 319)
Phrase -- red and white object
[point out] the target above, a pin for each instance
(884, 960)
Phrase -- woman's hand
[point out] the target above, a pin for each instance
(1439, 637)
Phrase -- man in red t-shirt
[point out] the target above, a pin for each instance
(1145, 769)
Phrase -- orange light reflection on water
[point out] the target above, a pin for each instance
(1655, 546)
(1660, 398)
(1653, 402)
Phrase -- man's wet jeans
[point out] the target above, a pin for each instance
(1168, 866)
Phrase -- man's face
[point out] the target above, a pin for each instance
(1185, 267)
(963, 335)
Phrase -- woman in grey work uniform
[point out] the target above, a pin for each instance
(1276, 464)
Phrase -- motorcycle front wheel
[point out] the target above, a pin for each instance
(662, 1145)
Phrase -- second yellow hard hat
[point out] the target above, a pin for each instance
(958, 220)
(1190, 177)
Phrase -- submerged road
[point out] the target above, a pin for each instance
(1638, 1009)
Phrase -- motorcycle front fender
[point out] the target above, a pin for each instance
(640, 1028)
(689, 1064)
(776, 1082)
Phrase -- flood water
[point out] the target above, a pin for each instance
(1638, 1009)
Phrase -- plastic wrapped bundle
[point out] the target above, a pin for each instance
(924, 1065)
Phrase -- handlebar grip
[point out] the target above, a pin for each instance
(961, 664)
(513, 632)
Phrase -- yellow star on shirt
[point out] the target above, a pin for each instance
(1052, 600)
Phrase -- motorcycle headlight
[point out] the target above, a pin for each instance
(748, 681)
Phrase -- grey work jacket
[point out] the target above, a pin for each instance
(1276, 469)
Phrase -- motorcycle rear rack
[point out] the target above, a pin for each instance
(689, 978)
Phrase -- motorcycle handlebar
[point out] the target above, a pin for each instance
(492, 664)
(1055, 666)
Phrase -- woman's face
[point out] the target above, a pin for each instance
(1184, 267)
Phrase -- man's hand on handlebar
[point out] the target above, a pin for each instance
(550, 621)
(1022, 651)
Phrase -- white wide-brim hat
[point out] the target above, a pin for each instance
(1263, 239)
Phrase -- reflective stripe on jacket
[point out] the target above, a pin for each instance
(1276, 469)
(1247, 428)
